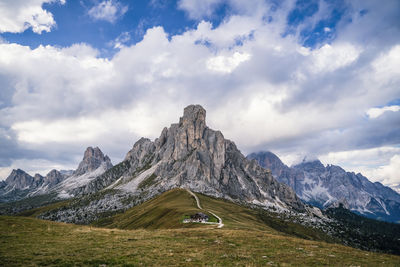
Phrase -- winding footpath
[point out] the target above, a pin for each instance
(219, 223)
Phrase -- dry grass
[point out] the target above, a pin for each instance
(32, 242)
(249, 238)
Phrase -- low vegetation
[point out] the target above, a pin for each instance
(367, 233)
(153, 234)
(31, 242)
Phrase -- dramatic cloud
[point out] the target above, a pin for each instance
(19, 15)
(109, 10)
(262, 86)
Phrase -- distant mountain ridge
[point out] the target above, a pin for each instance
(322, 186)
(20, 184)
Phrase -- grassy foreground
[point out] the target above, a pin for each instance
(30, 242)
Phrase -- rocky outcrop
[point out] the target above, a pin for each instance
(325, 186)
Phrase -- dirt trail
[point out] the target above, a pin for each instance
(219, 223)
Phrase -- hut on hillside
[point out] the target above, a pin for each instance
(199, 217)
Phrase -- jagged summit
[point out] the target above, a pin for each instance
(92, 159)
(310, 165)
(194, 115)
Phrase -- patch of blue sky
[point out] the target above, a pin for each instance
(394, 102)
(74, 25)
(324, 30)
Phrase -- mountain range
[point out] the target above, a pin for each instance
(325, 186)
(20, 184)
(190, 155)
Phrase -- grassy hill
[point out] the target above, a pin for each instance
(163, 212)
(30, 242)
(168, 210)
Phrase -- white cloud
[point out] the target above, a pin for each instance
(329, 58)
(18, 15)
(108, 10)
(135, 121)
(387, 65)
(227, 64)
(374, 113)
(389, 174)
(120, 41)
(197, 9)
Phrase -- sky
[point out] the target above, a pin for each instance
(303, 79)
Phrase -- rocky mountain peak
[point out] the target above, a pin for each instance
(92, 159)
(194, 122)
(188, 154)
(54, 177)
(267, 160)
(311, 165)
(193, 114)
(19, 179)
(91, 152)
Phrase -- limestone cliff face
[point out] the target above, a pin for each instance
(92, 159)
(191, 155)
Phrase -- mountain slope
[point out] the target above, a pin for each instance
(323, 186)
